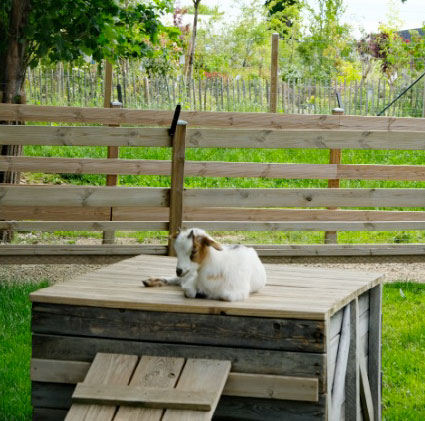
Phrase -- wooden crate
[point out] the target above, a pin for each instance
(285, 343)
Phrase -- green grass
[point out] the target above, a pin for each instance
(15, 350)
(403, 358)
(403, 349)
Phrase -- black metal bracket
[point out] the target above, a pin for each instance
(338, 99)
(119, 92)
(176, 116)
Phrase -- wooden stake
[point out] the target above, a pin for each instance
(177, 183)
(331, 237)
(113, 151)
(274, 72)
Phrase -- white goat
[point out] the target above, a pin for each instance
(218, 272)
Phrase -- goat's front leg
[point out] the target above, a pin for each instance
(188, 284)
(159, 282)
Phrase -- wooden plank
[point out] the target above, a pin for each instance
(374, 362)
(15, 112)
(113, 369)
(279, 334)
(177, 183)
(151, 372)
(82, 196)
(341, 365)
(352, 378)
(85, 226)
(161, 372)
(52, 213)
(214, 138)
(274, 73)
(215, 225)
(85, 136)
(237, 214)
(144, 397)
(304, 197)
(272, 387)
(86, 196)
(207, 376)
(262, 250)
(365, 393)
(229, 407)
(212, 169)
(297, 364)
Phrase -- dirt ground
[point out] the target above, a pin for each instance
(400, 268)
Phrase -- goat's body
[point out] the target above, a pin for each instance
(204, 267)
(231, 274)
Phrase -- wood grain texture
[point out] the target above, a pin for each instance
(298, 364)
(152, 372)
(177, 183)
(85, 136)
(305, 197)
(256, 333)
(144, 397)
(208, 376)
(82, 196)
(161, 372)
(112, 369)
(375, 351)
(365, 393)
(197, 118)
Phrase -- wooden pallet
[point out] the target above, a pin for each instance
(121, 387)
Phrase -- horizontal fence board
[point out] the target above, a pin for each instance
(84, 136)
(47, 213)
(212, 226)
(82, 196)
(305, 138)
(214, 138)
(52, 213)
(268, 215)
(262, 250)
(85, 226)
(14, 112)
(212, 169)
(305, 226)
(86, 196)
(305, 197)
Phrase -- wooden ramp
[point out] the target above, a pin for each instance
(122, 387)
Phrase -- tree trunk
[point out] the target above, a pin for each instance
(12, 77)
(192, 46)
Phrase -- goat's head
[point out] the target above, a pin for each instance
(192, 248)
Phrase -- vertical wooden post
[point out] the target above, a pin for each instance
(274, 73)
(331, 237)
(177, 183)
(146, 90)
(113, 152)
(352, 378)
(423, 102)
(374, 354)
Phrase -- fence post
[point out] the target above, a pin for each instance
(331, 237)
(274, 73)
(113, 152)
(146, 90)
(177, 183)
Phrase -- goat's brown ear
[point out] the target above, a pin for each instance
(212, 243)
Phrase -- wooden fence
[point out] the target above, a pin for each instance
(106, 208)
(77, 87)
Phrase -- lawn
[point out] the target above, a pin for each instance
(403, 351)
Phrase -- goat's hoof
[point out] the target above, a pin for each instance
(189, 294)
(153, 282)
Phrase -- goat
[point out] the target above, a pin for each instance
(214, 271)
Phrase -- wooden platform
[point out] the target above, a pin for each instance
(305, 347)
(291, 292)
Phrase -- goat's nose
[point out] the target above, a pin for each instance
(179, 271)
